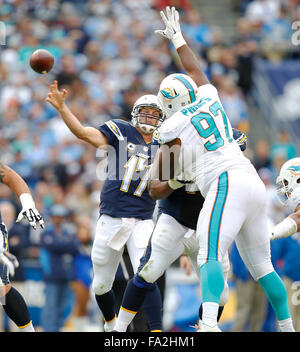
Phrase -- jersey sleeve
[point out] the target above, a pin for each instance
(169, 130)
(112, 131)
(207, 91)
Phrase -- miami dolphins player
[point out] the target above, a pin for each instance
(11, 299)
(126, 208)
(288, 188)
(235, 197)
(173, 235)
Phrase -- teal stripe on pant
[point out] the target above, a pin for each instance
(216, 217)
(212, 278)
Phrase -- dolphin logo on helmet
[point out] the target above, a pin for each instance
(169, 94)
(294, 169)
(175, 92)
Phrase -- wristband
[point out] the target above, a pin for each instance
(175, 184)
(178, 40)
(27, 201)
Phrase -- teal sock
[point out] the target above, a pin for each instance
(276, 293)
(212, 281)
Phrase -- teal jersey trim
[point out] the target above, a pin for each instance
(216, 217)
(188, 86)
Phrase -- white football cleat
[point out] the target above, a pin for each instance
(196, 326)
(109, 327)
(202, 327)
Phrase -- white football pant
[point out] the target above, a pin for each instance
(116, 233)
(235, 209)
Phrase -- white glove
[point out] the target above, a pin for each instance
(29, 211)
(9, 260)
(172, 30)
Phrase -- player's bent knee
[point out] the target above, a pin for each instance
(260, 270)
(100, 288)
(99, 256)
(150, 272)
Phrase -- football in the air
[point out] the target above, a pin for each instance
(41, 61)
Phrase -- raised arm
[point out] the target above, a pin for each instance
(188, 59)
(16, 183)
(88, 134)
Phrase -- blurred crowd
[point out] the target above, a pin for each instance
(106, 56)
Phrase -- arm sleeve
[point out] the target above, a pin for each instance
(207, 91)
(170, 130)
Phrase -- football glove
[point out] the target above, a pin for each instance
(29, 211)
(9, 260)
(174, 184)
(172, 30)
(240, 138)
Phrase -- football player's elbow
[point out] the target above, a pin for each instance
(153, 193)
(82, 134)
(88, 135)
(153, 189)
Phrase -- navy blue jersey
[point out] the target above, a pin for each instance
(125, 193)
(183, 205)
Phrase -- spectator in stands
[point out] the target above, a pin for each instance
(198, 33)
(287, 251)
(262, 11)
(251, 299)
(262, 155)
(58, 249)
(181, 5)
(225, 65)
(83, 274)
(234, 104)
(283, 146)
(276, 36)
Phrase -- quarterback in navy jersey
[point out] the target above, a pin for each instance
(125, 193)
(126, 208)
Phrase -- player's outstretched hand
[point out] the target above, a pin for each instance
(56, 97)
(29, 211)
(185, 264)
(9, 260)
(33, 216)
(171, 21)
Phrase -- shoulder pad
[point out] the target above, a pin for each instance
(114, 128)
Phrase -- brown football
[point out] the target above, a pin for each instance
(41, 61)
